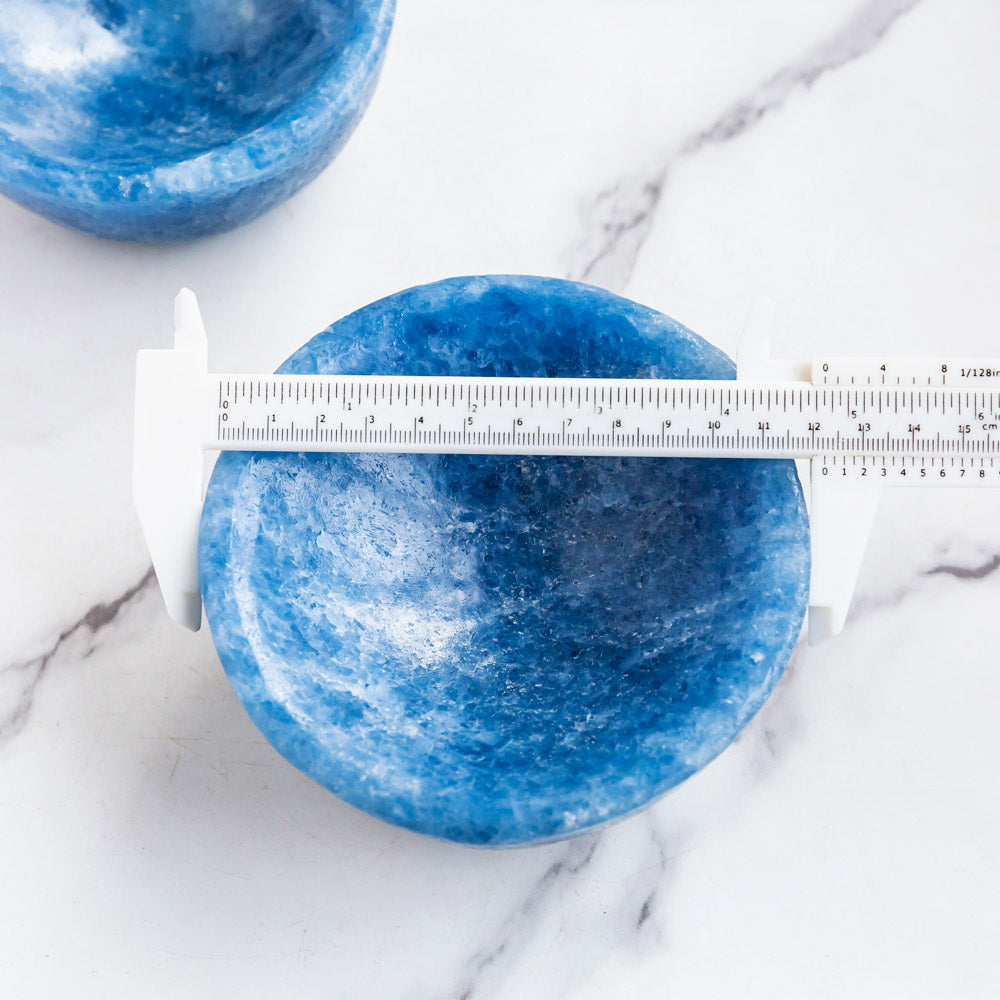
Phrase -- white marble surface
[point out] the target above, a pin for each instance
(840, 156)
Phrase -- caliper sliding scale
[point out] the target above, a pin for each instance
(861, 423)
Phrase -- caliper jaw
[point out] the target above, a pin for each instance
(168, 460)
(840, 516)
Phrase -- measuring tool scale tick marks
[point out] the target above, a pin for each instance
(861, 424)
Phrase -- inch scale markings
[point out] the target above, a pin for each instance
(861, 423)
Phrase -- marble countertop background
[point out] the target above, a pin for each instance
(839, 156)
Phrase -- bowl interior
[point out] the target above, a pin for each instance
(135, 81)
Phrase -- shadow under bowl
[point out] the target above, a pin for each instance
(163, 120)
(503, 650)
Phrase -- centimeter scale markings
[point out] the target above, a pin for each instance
(856, 421)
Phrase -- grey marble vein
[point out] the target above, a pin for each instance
(23, 677)
(645, 911)
(636, 913)
(619, 218)
(865, 606)
(577, 856)
(646, 921)
(779, 723)
(980, 572)
(617, 223)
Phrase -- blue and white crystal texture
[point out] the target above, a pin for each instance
(503, 650)
(169, 119)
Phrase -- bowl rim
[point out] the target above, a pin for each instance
(251, 158)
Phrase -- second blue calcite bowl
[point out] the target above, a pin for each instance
(503, 650)
(168, 119)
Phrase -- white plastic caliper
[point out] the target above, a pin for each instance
(861, 424)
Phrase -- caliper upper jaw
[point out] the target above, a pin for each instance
(168, 463)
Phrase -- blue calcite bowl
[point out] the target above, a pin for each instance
(503, 650)
(159, 120)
